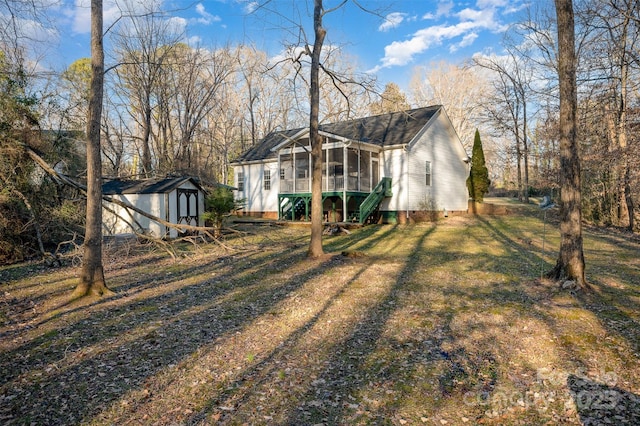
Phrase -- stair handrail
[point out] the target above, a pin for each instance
(369, 204)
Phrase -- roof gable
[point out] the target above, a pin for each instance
(396, 128)
(145, 186)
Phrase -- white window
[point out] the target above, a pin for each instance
(427, 170)
(240, 182)
(267, 180)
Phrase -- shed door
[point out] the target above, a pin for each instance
(187, 206)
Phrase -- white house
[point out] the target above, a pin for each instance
(175, 200)
(387, 167)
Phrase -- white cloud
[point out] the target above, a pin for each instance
(177, 24)
(82, 15)
(491, 3)
(194, 41)
(250, 7)
(444, 8)
(402, 52)
(483, 18)
(467, 40)
(392, 20)
(470, 22)
(205, 17)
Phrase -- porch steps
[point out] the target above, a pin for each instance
(298, 208)
(373, 200)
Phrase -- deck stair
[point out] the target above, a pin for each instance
(369, 205)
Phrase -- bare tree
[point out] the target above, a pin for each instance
(315, 245)
(570, 264)
(392, 99)
(92, 280)
(462, 90)
(197, 77)
(314, 101)
(509, 107)
(143, 45)
(615, 55)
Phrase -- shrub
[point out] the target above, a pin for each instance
(219, 204)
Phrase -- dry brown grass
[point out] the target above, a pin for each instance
(440, 323)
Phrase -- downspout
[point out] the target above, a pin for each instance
(406, 179)
(279, 187)
(310, 166)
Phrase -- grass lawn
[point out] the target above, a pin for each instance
(426, 324)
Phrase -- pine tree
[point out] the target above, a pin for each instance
(478, 180)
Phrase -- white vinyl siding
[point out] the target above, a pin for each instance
(258, 199)
(440, 147)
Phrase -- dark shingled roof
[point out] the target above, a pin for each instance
(145, 186)
(396, 128)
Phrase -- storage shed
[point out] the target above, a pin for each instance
(178, 200)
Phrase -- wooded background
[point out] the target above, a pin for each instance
(171, 108)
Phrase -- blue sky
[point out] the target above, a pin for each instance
(389, 42)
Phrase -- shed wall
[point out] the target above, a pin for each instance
(163, 205)
(114, 224)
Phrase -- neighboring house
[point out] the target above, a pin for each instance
(386, 167)
(175, 200)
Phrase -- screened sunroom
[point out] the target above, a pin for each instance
(350, 172)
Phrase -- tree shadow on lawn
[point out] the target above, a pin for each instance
(126, 286)
(331, 399)
(376, 379)
(600, 403)
(362, 239)
(72, 372)
(252, 379)
(516, 245)
(46, 294)
(262, 373)
(609, 304)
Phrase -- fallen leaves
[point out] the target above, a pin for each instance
(424, 328)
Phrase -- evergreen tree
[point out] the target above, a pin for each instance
(478, 180)
(219, 205)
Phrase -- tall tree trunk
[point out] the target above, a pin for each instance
(516, 126)
(315, 245)
(525, 149)
(628, 195)
(570, 264)
(146, 136)
(626, 198)
(92, 276)
(519, 166)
